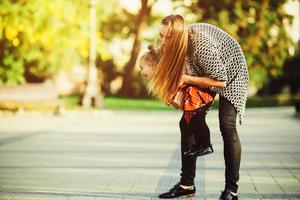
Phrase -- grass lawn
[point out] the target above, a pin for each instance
(134, 104)
(115, 103)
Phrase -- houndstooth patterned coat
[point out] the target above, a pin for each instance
(217, 55)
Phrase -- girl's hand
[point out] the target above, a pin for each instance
(169, 101)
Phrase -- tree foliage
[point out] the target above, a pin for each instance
(259, 26)
(39, 37)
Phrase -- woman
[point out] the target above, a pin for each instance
(217, 62)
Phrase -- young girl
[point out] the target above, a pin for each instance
(195, 104)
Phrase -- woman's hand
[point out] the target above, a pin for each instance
(184, 79)
(202, 82)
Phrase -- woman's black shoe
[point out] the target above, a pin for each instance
(226, 195)
(199, 151)
(178, 191)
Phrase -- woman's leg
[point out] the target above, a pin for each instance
(188, 163)
(188, 168)
(232, 145)
(195, 133)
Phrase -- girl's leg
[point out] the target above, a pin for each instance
(200, 129)
(188, 163)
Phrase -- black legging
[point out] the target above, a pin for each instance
(232, 146)
(196, 132)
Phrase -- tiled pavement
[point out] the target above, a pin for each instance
(135, 155)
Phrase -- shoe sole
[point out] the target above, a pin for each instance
(187, 196)
(190, 195)
(198, 155)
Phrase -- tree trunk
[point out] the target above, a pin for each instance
(128, 88)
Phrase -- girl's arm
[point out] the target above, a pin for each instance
(202, 82)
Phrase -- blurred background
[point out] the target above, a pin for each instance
(74, 54)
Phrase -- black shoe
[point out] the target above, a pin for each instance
(178, 191)
(199, 151)
(226, 195)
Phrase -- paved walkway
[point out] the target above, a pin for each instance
(135, 155)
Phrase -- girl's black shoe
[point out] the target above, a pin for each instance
(226, 195)
(177, 191)
(199, 151)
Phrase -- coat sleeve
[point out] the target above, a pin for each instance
(208, 58)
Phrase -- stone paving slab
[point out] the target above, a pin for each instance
(135, 155)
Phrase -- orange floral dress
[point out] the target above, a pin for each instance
(195, 99)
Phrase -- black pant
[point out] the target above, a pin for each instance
(232, 148)
(195, 133)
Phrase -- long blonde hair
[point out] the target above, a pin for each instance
(168, 70)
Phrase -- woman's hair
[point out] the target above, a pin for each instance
(168, 70)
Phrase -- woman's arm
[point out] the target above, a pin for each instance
(202, 81)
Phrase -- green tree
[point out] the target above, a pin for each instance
(37, 38)
(259, 26)
(127, 26)
(128, 76)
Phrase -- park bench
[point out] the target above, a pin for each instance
(33, 96)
